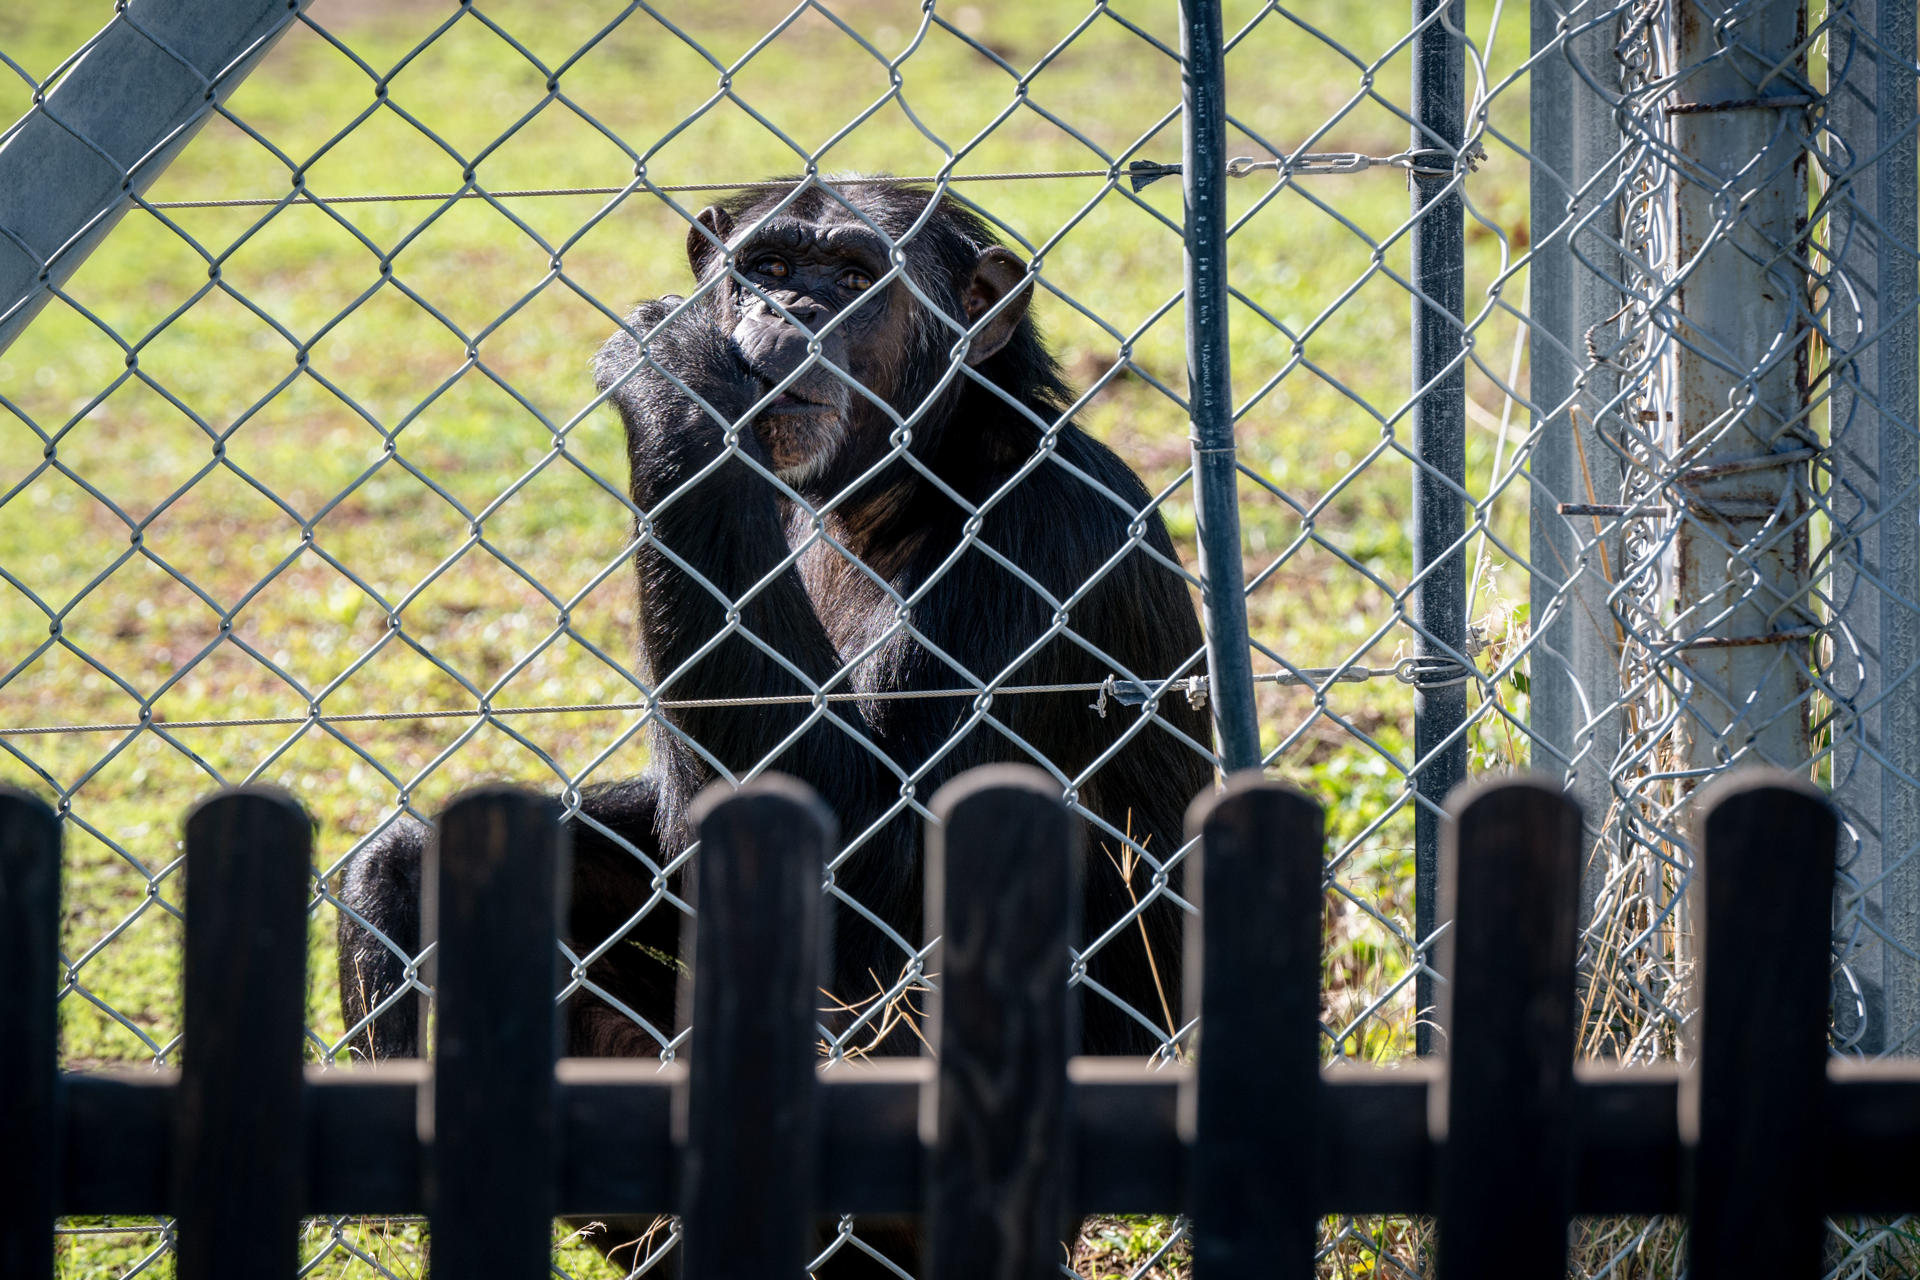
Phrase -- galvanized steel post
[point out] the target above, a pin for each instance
(1216, 502)
(1743, 623)
(1575, 292)
(1876, 456)
(110, 126)
(1439, 423)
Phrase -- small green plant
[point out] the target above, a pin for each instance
(1132, 1247)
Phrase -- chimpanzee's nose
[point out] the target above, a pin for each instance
(808, 314)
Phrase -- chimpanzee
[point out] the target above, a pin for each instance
(937, 523)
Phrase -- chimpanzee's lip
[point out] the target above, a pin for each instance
(788, 402)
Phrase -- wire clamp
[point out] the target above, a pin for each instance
(1432, 671)
(1099, 705)
(1197, 692)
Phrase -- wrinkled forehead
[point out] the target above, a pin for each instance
(877, 219)
(844, 238)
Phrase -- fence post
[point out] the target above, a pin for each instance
(1216, 500)
(1573, 291)
(1510, 883)
(1875, 416)
(110, 127)
(495, 879)
(239, 1133)
(29, 1031)
(1743, 622)
(747, 1187)
(1002, 873)
(1755, 1103)
(1253, 977)
(1439, 423)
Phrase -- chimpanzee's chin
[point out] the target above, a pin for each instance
(799, 445)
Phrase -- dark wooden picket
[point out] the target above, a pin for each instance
(1256, 970)
(496, 872)
(1001, 889)
(1510, 883)
(1763, 889)
(1003, 1138)
(239, 1139)
(747, 1179)
(29, 1074)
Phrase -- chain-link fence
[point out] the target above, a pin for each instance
(1547, 378)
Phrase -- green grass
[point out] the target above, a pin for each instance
(302, 359)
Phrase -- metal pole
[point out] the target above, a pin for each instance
(1876, 412)
(1742, 619)
(1439, 423)
(115, 120)
(1236, 725)
(1574, 672)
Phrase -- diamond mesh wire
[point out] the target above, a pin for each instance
(306, 480)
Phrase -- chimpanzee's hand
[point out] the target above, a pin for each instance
(668, 429)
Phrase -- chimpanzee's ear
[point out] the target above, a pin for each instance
(996, 273)
(707, 238)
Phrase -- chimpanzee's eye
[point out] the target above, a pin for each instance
(858, 281)
(775, 267)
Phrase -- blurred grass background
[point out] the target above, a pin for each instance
(319, 419)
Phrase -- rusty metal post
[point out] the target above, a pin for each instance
(1742, 621)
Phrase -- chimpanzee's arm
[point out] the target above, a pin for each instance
(613, 845)
(713, 539)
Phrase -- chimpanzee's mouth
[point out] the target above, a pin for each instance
(788, 402)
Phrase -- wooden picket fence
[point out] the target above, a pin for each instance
(1001, 1139)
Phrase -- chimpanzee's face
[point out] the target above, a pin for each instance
(802, 286)
(804, 301)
